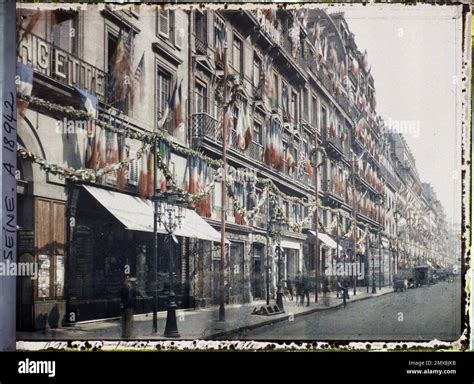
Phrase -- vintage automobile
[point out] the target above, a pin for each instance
(422, 275)
(400, 284)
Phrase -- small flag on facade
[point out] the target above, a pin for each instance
(140, 76)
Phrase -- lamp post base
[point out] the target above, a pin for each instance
(374, 288)
(171, 328)
(279, 301)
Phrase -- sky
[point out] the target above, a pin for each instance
(412, 50)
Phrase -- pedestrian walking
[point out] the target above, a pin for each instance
(298, 287)
(289, 289)
(346, 286)
(128, 295)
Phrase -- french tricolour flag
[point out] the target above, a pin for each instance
(24, 85)
(90, 104)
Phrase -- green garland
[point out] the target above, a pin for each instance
(82, 174)
(147, 136)
(151, 137)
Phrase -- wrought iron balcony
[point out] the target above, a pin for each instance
(335, 191)
(389, 178)
(333, 143)
(200, 45)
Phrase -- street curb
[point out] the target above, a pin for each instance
(285, 318)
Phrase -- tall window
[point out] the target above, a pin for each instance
(305, 104)
(163, 92)
(314, 112)
(166, 25)
(65, 30)
(257, 69)
(294, 107)
(200, 30)
(277, 90)
(237, 55)
(257, 133)
(324, 118)
(200, 96)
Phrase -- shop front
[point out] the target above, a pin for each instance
(113, 237)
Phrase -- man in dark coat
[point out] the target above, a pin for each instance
(298, 287)
(305, 287)
(128, 296)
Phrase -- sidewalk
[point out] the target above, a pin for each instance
(196, 324)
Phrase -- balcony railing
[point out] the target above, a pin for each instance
(201, 45)
(62, 66)
(334, 189)
(388, 176)
(206, 126)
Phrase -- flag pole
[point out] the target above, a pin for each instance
(224, 189)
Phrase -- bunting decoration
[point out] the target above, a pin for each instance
(145, 173)
(239, 197)
(24, 85)
(173, 112)
(90, 104)
(221, 39)
(140, 76)
(226, 124)
(273, 155)
(302, 163)
(266, 85)
(239, 129)
(144, 136)
(122, 173)
(198, 177)
(248, 127)
(121, 85)
(32, 17)
(355, 68)
(164, 153)
(294, 33)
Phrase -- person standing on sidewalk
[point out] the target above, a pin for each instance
(298, 287)
(128, 295)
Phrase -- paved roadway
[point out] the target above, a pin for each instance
(418, 314)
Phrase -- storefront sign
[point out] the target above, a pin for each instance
(62, 66)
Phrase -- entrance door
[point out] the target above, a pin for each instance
(257, 279)
(236, 270)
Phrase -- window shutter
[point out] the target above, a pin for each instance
(163, 23)
(179, 32)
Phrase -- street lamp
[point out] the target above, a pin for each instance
(374, 288)
(170, 216)
(275, 228)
